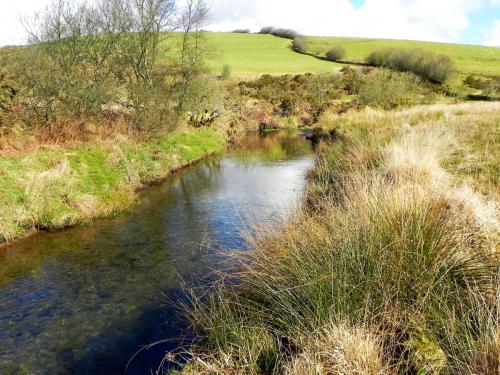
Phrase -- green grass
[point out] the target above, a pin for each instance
(468, 58)
(258, 54)
(57, 188)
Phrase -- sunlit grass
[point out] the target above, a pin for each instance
(255, 54)
(468, 58)
(60, 187)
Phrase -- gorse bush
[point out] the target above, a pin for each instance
(335, 54)
(8, 91)
(387, 90)
(433, 67)
(282, 33)
(305, 96)
(489, 85)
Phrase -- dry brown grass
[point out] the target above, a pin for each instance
(69, 134)
(339, 350)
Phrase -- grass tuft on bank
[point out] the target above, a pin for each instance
(390, 267)
(61, 187)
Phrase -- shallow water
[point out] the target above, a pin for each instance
(83, 301)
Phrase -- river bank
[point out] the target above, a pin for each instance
(61, 187)
(391, 266)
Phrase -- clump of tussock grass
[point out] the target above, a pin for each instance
(339, 349)
(419, 154)
(389, 274)
(42, 203)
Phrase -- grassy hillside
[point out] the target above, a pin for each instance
(258, 54)
(469, 59)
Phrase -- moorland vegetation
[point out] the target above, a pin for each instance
(390, 265)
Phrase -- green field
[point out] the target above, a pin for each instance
(468, 58)
(258, 54)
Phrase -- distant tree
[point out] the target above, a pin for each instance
(300, 44)
(266, 30)
(336, 53)
(282, 33)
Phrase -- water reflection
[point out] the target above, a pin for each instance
(84, 300)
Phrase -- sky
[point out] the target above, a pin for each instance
(456, 21)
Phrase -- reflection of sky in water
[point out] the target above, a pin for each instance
(84, 300)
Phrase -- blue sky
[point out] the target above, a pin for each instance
(457, 21)
(481, 21)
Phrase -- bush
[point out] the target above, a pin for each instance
(226, 72)
(242, 31)
(433, 67)
(279, 32)
(300, 44)
(266, 30)
(305, 96)
(489, 85)
(389, 90)
(335, 54)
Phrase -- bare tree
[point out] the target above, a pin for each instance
(147, 20)
(99, 51)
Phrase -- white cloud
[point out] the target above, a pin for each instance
(438, 20)
(493, 35)
(11, 28)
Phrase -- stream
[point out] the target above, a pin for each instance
(84, 300)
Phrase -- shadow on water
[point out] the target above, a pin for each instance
(83, 301)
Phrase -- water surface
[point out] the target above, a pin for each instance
(83, 301)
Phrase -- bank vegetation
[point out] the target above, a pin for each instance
(390, 267)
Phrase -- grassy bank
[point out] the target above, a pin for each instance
(390, 267)
(59, 187)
